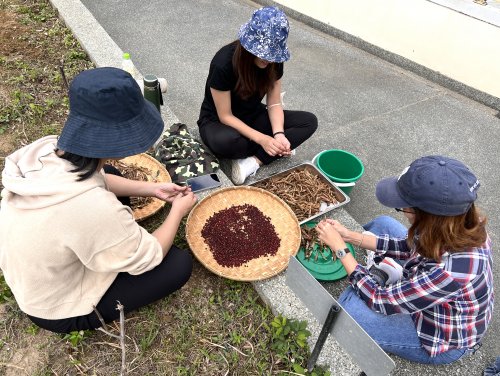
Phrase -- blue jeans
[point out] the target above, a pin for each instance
(494, 369)
(395, 334)
(386, 225)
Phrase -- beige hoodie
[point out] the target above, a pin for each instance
(62, 241)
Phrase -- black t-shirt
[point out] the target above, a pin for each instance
(221, 77)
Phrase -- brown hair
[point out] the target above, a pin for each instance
(439, 234)
(249, 80)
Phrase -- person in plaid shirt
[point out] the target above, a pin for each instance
(426, 293)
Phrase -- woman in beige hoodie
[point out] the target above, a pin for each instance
(67, 244)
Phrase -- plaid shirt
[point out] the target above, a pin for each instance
(450, 302)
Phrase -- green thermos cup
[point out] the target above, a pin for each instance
(152, 90)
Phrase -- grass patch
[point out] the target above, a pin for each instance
(35, 45)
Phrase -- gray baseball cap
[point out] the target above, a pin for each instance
(435, 184)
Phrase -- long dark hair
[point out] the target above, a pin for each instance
(250, 79)
(438, 234)
(85, 165)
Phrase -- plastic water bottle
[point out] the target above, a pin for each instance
(128, 66)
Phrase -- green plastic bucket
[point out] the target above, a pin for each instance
(341, 167)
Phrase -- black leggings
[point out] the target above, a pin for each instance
(226, 142)
(132, 291)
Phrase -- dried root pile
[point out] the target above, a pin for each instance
(134, 172)
(313, 247)
(301, 190)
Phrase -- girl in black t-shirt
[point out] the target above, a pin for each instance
(234, 123)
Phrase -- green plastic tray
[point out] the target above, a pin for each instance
(323, 270)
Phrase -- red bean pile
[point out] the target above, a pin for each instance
(239, 234)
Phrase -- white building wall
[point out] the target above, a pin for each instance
(457, 45)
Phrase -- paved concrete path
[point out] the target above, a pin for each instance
(378, 111)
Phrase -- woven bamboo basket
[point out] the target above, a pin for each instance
(282, 218)
(157, 173)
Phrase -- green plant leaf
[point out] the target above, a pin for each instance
(306, 333)
(298, 369)
(275, 324)
(279, 331)
(286, 330)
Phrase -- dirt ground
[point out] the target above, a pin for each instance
(27, 69)
(10, 46)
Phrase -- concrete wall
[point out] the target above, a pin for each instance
(463, 47)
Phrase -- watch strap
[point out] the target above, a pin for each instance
(345, 251)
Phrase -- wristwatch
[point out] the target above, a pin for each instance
(340, 253)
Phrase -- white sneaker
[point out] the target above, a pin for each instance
(242, 169)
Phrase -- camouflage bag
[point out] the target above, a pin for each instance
(182, 155)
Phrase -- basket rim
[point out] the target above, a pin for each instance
(271, 261)
(147, 161)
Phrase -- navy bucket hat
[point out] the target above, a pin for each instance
(109, 117)
(435, 184)
(265, 35)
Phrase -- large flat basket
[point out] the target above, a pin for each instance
(281, 217)
(158, 173)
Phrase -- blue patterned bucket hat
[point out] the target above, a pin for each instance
(265, 35)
